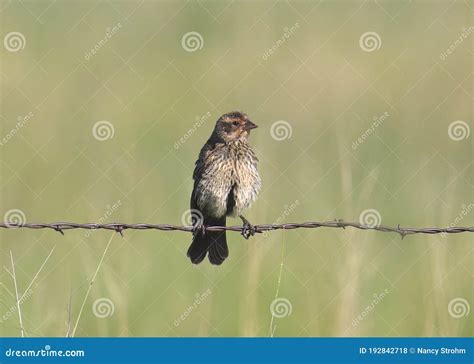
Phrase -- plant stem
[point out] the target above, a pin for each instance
(90, 284)
(17, 298)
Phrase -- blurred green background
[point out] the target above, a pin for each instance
(152, 85)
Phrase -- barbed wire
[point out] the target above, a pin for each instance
(121, 227)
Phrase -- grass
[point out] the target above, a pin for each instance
(152, 91)
(91, 284)
(22, 330)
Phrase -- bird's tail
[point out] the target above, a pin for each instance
(212, 242)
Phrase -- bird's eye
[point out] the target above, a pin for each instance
(235, 123)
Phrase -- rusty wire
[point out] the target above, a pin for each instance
(120, 227)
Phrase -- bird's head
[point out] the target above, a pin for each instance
(233, 126)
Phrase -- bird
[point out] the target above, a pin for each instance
(226, 183)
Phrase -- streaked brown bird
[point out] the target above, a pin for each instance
(226, 183)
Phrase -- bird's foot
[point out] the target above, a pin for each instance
(199, 227)
(248, 229)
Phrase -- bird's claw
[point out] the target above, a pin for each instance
(248, 229)
(199, 227)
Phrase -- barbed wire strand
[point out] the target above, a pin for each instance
(121, 227)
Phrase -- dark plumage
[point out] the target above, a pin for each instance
(226, 182)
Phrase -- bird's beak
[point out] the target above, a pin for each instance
(249, 125)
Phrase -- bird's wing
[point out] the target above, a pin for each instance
(212, 181)
(199, 169)
(201, 162)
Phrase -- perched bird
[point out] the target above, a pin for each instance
(226, 182)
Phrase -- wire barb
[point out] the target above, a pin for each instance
(58, 229)
(120, 227)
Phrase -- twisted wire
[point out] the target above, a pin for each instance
(121, 227)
